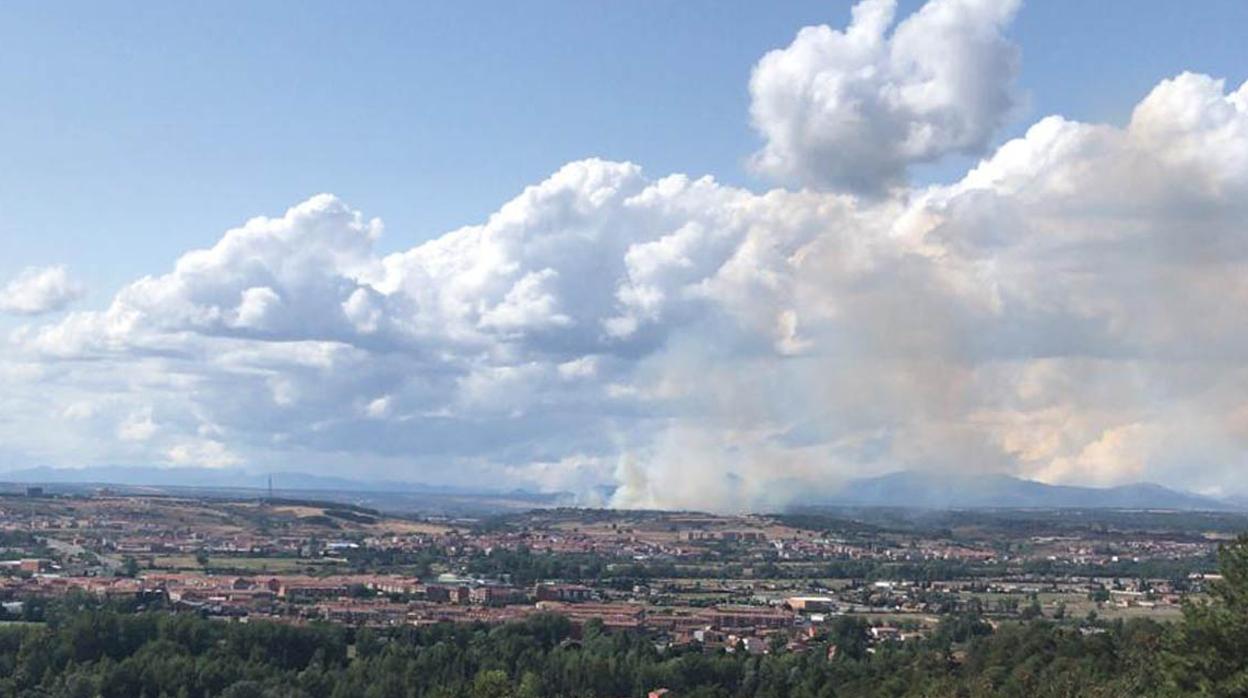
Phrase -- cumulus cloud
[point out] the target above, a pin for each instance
(39, 290)
(1070, 309)
(853, 109)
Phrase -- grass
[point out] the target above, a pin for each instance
(276, 565)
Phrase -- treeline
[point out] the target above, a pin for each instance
(525, 567)
(86, 651)
(1014, 524)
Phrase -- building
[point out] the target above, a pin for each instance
(810, 604)
(442, 593)
(746, 617)
(311, 589)
(34, 565)
(495, 595)
(566, 593)
(884, 632)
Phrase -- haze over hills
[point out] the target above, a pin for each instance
(905, 489)
(396, 497)
(977, 491)
(151, 476)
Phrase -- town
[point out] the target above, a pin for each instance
(752, 583)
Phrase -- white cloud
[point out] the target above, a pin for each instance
(582, 367)
(380, 408)
(83, 409)
(139, 426)
(529, 304)
(257, 307)
(853, 109)
(1070, 309)
(39, 290)
(204, 453)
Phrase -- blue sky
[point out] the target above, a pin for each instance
(133, 131)
(988, 235)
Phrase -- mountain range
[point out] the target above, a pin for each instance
(924, 490)
(217, 478)
(904, 489)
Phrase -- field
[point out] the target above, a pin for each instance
(252, 565)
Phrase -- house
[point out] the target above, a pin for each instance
(885, 632)
(495, 595)
(567, 593)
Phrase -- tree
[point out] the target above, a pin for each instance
(1208, 654)
(530, 686)
(244, 689)
(130, 567)
(849, 634)
(491, 684)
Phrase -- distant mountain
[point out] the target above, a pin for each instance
(906, 489)
(384, 495)
(965, 491)
(149, 476)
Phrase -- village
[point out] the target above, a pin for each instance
(749, 583)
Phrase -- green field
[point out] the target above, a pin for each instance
(276, 565)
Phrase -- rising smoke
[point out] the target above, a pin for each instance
(1071, 309)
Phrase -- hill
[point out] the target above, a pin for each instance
(973, 491)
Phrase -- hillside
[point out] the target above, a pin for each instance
(968, 491)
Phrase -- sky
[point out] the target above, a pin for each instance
(954, 234)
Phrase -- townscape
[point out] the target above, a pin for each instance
(624, 350)
(752, 583)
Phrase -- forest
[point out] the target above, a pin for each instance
(81, 648)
